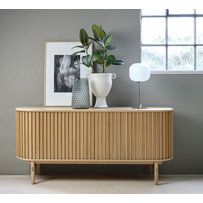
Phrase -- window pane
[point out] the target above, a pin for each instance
(153, 12)
(199, 11)
(153, 30)
(181, 30)
(181, 11)
(181, 58)
(154, 57)
(199, 27)
(199, 58)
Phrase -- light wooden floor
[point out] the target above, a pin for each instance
(191, 184)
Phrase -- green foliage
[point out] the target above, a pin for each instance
(83, 37)
(87, 60)
(98, 32)
(118, 62)
(107, 40)
(100, 54)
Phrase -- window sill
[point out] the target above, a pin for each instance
(178, 72)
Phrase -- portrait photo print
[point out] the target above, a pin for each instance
(63, 66)
(66, 71)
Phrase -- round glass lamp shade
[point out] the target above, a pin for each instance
(139, 72)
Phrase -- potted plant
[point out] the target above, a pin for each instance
(100, 83)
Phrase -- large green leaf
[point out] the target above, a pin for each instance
(78, 52)
(100, 61)
(107, 40)
(98, 56)
(102, 30)
(95, 56)
(83, 37)
(86, 60)
(98, 32)
(108, 63)
(111, 59)
(118, 62)
(99, 52)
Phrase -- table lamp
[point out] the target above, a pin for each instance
(139, 72)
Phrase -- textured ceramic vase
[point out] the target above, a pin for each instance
(100, 85)
(80, 94)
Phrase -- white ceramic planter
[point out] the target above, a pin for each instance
(100, 85)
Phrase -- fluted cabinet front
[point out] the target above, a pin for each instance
(83, 135)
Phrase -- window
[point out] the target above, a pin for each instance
(172, 39)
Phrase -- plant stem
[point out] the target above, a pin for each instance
(104, 67)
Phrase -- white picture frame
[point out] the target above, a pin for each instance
(58, 88)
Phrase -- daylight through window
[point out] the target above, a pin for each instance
(172, 39)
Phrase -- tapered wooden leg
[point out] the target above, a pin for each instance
(156, 173)
(33, 172)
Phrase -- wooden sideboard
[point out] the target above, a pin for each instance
(47, 135)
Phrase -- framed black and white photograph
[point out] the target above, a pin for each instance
(62, 69)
